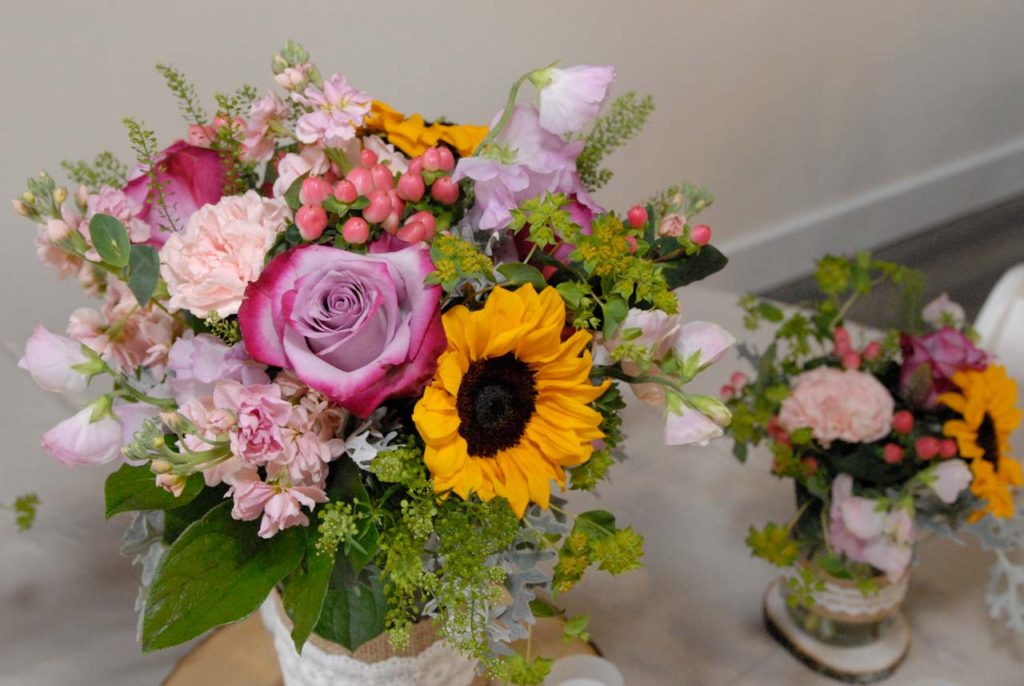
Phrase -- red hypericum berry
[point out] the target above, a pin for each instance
(701, 234)
(367, 158)
(383, 179)
(445, 190)
(841, 339)
(428, 221)
(412, 232)
(415, 166)
(432, 159)
(947, 448)
(903, 422)
(447, 159)
(851, 360)
(361, 179)
(314, 191)
(727, 391)
(311, 220)
(872, 351)
(738, 380)
(927, 447)
(411, 187)
(356, 231)
(637, 216)
(810, 465)
(345, 191)
(379, 207)
(892, 453)
(632, 244)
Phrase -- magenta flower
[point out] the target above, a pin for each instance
(336, 112)
(930, 361)
(571, 98)
(358, 328)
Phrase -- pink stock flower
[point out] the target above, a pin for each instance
(846, 405)
(866, 530)
(311, 160)
(208, 266)
(337, 111)
(79, 440)
(259, 413)
(359, 328)
(264, 114)
(50, 360)
(189, 177)
(280, 505)
(930, 361)
(198, 362)
(292, 78)
(571, 98)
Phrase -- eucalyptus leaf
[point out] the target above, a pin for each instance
(143, 272)
(134, 488)
(519, 274)
(110, 239)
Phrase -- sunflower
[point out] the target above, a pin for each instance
(986, 404)
(508, 409)
(413, 135)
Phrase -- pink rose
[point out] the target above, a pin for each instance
(836, 404)
(930, 361)
(358, 328)
(209, 264)
(190, 176)
(672, 225)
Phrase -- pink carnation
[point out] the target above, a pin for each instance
(846, 405)
(260, 413)
(221, 250)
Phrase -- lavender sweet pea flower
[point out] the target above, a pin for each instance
(358, 328)
(198, 362)
(79, 440)
(51, 360)
(951, 478)
(707, 340)
(571, 98)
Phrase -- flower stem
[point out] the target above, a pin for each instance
(505, 115)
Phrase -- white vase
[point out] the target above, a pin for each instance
(426, 662)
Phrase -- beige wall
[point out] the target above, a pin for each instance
(805, 117)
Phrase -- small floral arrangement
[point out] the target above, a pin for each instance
(886, 437)
(350, 350)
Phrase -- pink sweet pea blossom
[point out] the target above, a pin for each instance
(260, 414)
(687, 426)
(336, 112)
(707, 341)
(846, 405)
(951, 478)
(867, 530)
(79, 440)
(50, 360)
(944, 312)
(571, 98)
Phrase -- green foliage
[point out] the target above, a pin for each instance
(456, 260)
(305, 589)
(143, 272)
(686, 199)
(353, 612)
(697, 266)
(625, 118)
(224, 328)
(524, 671)
(134, 488)
(801, 589)
(25, 508)
(519, 274)
(144, 144)
(576, 628)
(230, 137)
(185, 93)
(110, 239)
(546, 218)
(104, 170)
(586, 476)
(595, 539)
(774, 544)
(218, 571)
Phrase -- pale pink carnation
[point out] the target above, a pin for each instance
(260, 414)
(836, 404)
(336, 112)
(208, 265)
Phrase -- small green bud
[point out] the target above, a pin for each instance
(29, 198)
(161, 466)
(60, 194)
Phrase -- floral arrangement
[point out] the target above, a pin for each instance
(886, 436)
(350, 350)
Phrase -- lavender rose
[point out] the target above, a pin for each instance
(930, 361)
(358, 328)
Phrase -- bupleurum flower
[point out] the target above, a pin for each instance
(986, 403)
(508, 409)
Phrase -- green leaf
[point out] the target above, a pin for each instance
(143, 272)
(305, 590)
(346, 485)
(353, 613)
(596, 524)
(134, 488)
(218, 571)
(615, 310)
(518, 274)
(110, 239)
(695, 267)
(542, 608)
(180, 518)
(291, 196)
(571, 292)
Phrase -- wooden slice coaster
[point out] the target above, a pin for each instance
(243, 655)
(866, 664)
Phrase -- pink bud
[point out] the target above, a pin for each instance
(947, 448)
(903, 422)
(411, 187)
(447, 158)
(872, 351)
(432, 159)
(851, 360)
(379, 207)
(345, 191)
(738, 380)
(632, 244)
(412, 232)
(841, 337)
(445, 190)
(701, 234)
(311, 220)
(727, 391)
(361, 179)
(367, 158)
(356, 231)
(637, 217)
(383, 179)
(927, 447)
(892, 453)
(415, 166)
(428, 221)
(314, 191)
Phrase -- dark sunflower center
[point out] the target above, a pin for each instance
(987, 440)
(495, 403)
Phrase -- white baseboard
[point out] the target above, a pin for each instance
(777, 254)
